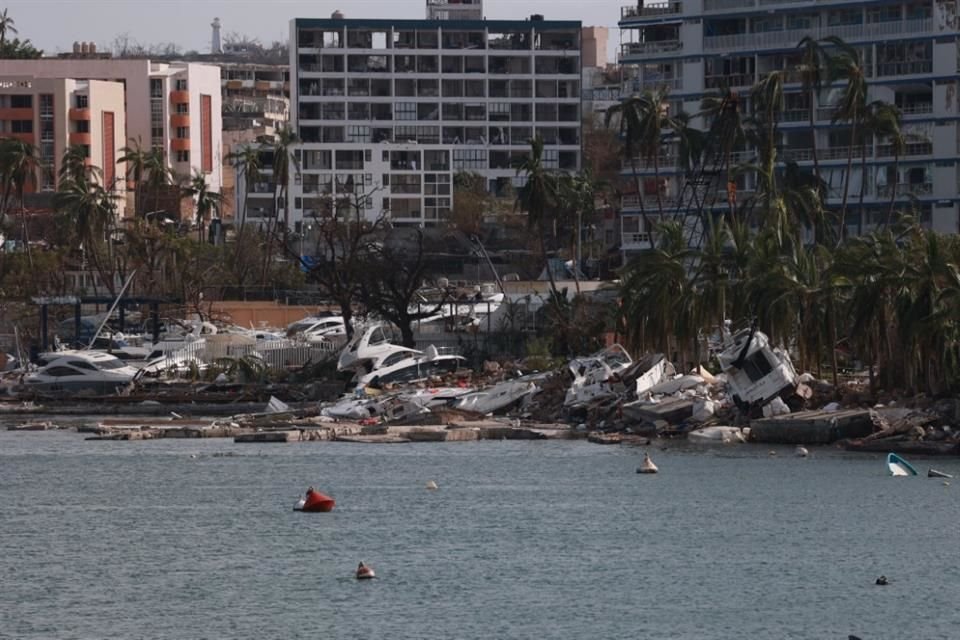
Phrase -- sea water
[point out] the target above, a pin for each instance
(550, 539)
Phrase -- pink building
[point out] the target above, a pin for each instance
(174, 106)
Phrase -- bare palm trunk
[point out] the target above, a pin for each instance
(863, 184)
(896, 183)
(846, 182)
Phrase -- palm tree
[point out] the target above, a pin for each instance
(19, 165)
(247, 163)
(6, 26)
(880, 120)
(158, 175)
(74, 166)
(812, 72)
(726, 133)
(847, 65)
(208, 203)
(767, 100)
(575, 197)
(136, 158)
(91, 211)
(643, 121)
(283, 161)
(538, 197)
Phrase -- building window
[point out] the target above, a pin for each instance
(358, 133)
(181, 85)
(21, 102)
(83, 126)
(183, 108)
(21, 126)
(183, 156)
(156, 88)
(405, 111)
(469, 159)
(183, 132)
(83, 101)
(46, 106)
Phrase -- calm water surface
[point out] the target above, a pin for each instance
(168, 539)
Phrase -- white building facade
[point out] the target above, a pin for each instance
(476, 91)
(911, 57)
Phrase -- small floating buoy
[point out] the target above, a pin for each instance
(431, 485)
(315, 502)
(364, 572)
(802, 452)
(647, 465)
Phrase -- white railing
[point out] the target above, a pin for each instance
(789, 37)
(905, 189)
(652, 9)
(658, 46)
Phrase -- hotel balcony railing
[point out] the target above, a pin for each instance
(652, 9)
(918, 108)
(909, 149)
(729, 80)
(654, 83)
(634, 240)
(905, 189)
(789, 37)
(904, 68)
(726, 5)
(657, 46)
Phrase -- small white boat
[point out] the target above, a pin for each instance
(801, 451)
(899, 467)
(716, 435)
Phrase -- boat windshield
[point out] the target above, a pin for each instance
(114, 363)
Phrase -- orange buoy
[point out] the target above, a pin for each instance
(316, 502)
(364, 572)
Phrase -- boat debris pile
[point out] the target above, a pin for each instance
(400, 394)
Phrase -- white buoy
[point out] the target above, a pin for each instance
(431, 485)
(647, 465)
(802, 451)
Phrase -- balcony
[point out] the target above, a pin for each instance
(16, 114)
(788, 39)
(79, 114)
(731, 80)
(180, 144)
(909, 149)
(905, 189)
(629, 49)
(180, 97)
(651, 10)
(79, 138)
(917, 108)
(179, 120)
(727, 5)
(904, 68)
(633, 241)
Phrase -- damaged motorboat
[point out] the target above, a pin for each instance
(756, 372)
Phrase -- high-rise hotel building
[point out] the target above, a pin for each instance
(392, 109)
(911, 57)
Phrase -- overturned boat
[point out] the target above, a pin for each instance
(756, 372)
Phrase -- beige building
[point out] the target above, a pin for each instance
(54, 114)
(174, 106)
(595, 46)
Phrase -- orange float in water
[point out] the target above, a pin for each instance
(315, 502)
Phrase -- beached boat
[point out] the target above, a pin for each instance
(716, 435)
(75, 371)
(756, 372)
(899, 467)
(315, 502)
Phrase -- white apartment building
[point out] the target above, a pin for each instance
(911, 56)
(478, 89)
(175, 106)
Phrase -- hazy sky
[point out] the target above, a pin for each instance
(53, 25)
